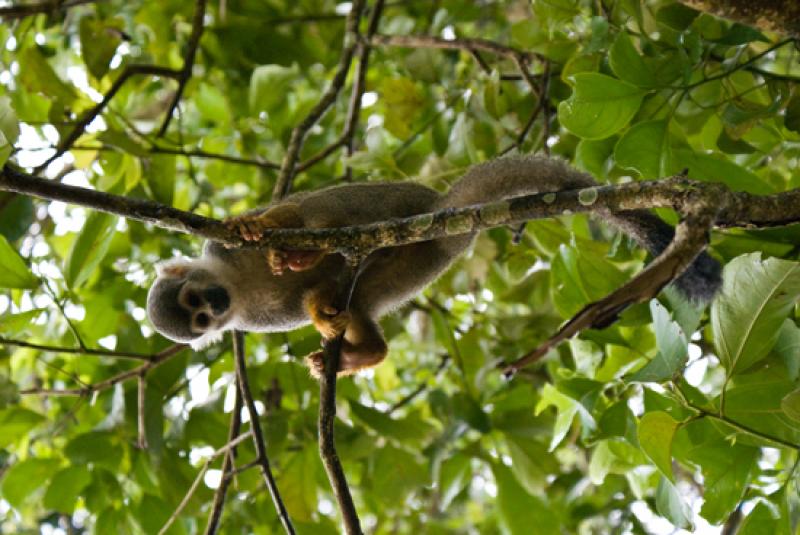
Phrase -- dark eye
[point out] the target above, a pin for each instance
(193, 300)
(202, 320)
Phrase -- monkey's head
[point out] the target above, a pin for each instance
(188, 303)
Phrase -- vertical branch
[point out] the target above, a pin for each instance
(327, 444)
(188, 62)
(288, 166)
(227, 469)
(142, 431)
(258, 436)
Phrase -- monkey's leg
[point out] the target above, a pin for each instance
(251, 227)
(363, 347)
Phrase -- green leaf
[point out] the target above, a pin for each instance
(580, 276)
(712, 168)
(16, 422)
(406, 475)
(25, 477)
(454, 475)
(788, 348)
(566, 408)
(298, 486)
(98, 447)
(38, 76)
(531, 461)
(791, 405)
(402, 102)
(766, 519)
(9, 129)
(645, 147)
(599, 106)
(401, 429)
(13, 271)
(792, 118)
(629, 65)
(518, 510)
(671, 506)
(65, 488)
(746, 317)
(89, 248)
(672, 347)
(99, 42)
(592, 155)
(656, 432)
(16, 324)
(269, 86)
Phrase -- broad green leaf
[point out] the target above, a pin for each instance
(15, 422)
(613, 456)
(519, 511)
(89, 248)
(628, 64)
(65, 487)
(99, 42)
(712, 168)
(298, 486)
(9, 129)
(401, 429)
(656, 432)
(791, 405)
(402, 102)
(37, 75)
(455, 474)
(269, 86)
(98, 447)
(787, 347)
(566, 408)
(25, 477)
(13, 271)
(16, 324)
(671, 506)
(407, 473)
(592, 155)
(746, 317)
(792, 118)
(672, 347)
(531, 462)
(646, 148)
(760, 521)
(599, 106)
(579, 276)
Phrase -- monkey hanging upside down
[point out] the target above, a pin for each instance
(196, 300)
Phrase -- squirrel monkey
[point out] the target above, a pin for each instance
(195, 300)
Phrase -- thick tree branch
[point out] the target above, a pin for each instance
(289, 164)
(188, 62)
(258, 436)
(25, 10)
(781, 16)
(740, 210)
(691, 237)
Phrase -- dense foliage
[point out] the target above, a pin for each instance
(676, 415)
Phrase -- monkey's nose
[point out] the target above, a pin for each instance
(217, 297)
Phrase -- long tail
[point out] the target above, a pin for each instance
(510, 177)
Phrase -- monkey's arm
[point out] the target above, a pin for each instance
(251, 227)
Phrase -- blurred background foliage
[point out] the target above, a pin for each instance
(674, 419)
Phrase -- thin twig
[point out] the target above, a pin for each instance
(154, 362)
(422, 387)
(288, 166)
(227, 468)
(258, 436)
(76, 350)
(131, 70)
(186, 497)
(188, 62)
(467, 44)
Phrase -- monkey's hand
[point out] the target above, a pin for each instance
(251, 227)
(329, 321)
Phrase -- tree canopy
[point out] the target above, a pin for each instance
(677, 416)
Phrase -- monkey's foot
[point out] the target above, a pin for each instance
(347, 364)
(329, 321)
(279, 260)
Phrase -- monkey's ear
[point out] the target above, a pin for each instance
(176, 268)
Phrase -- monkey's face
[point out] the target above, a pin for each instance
(187, 303)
